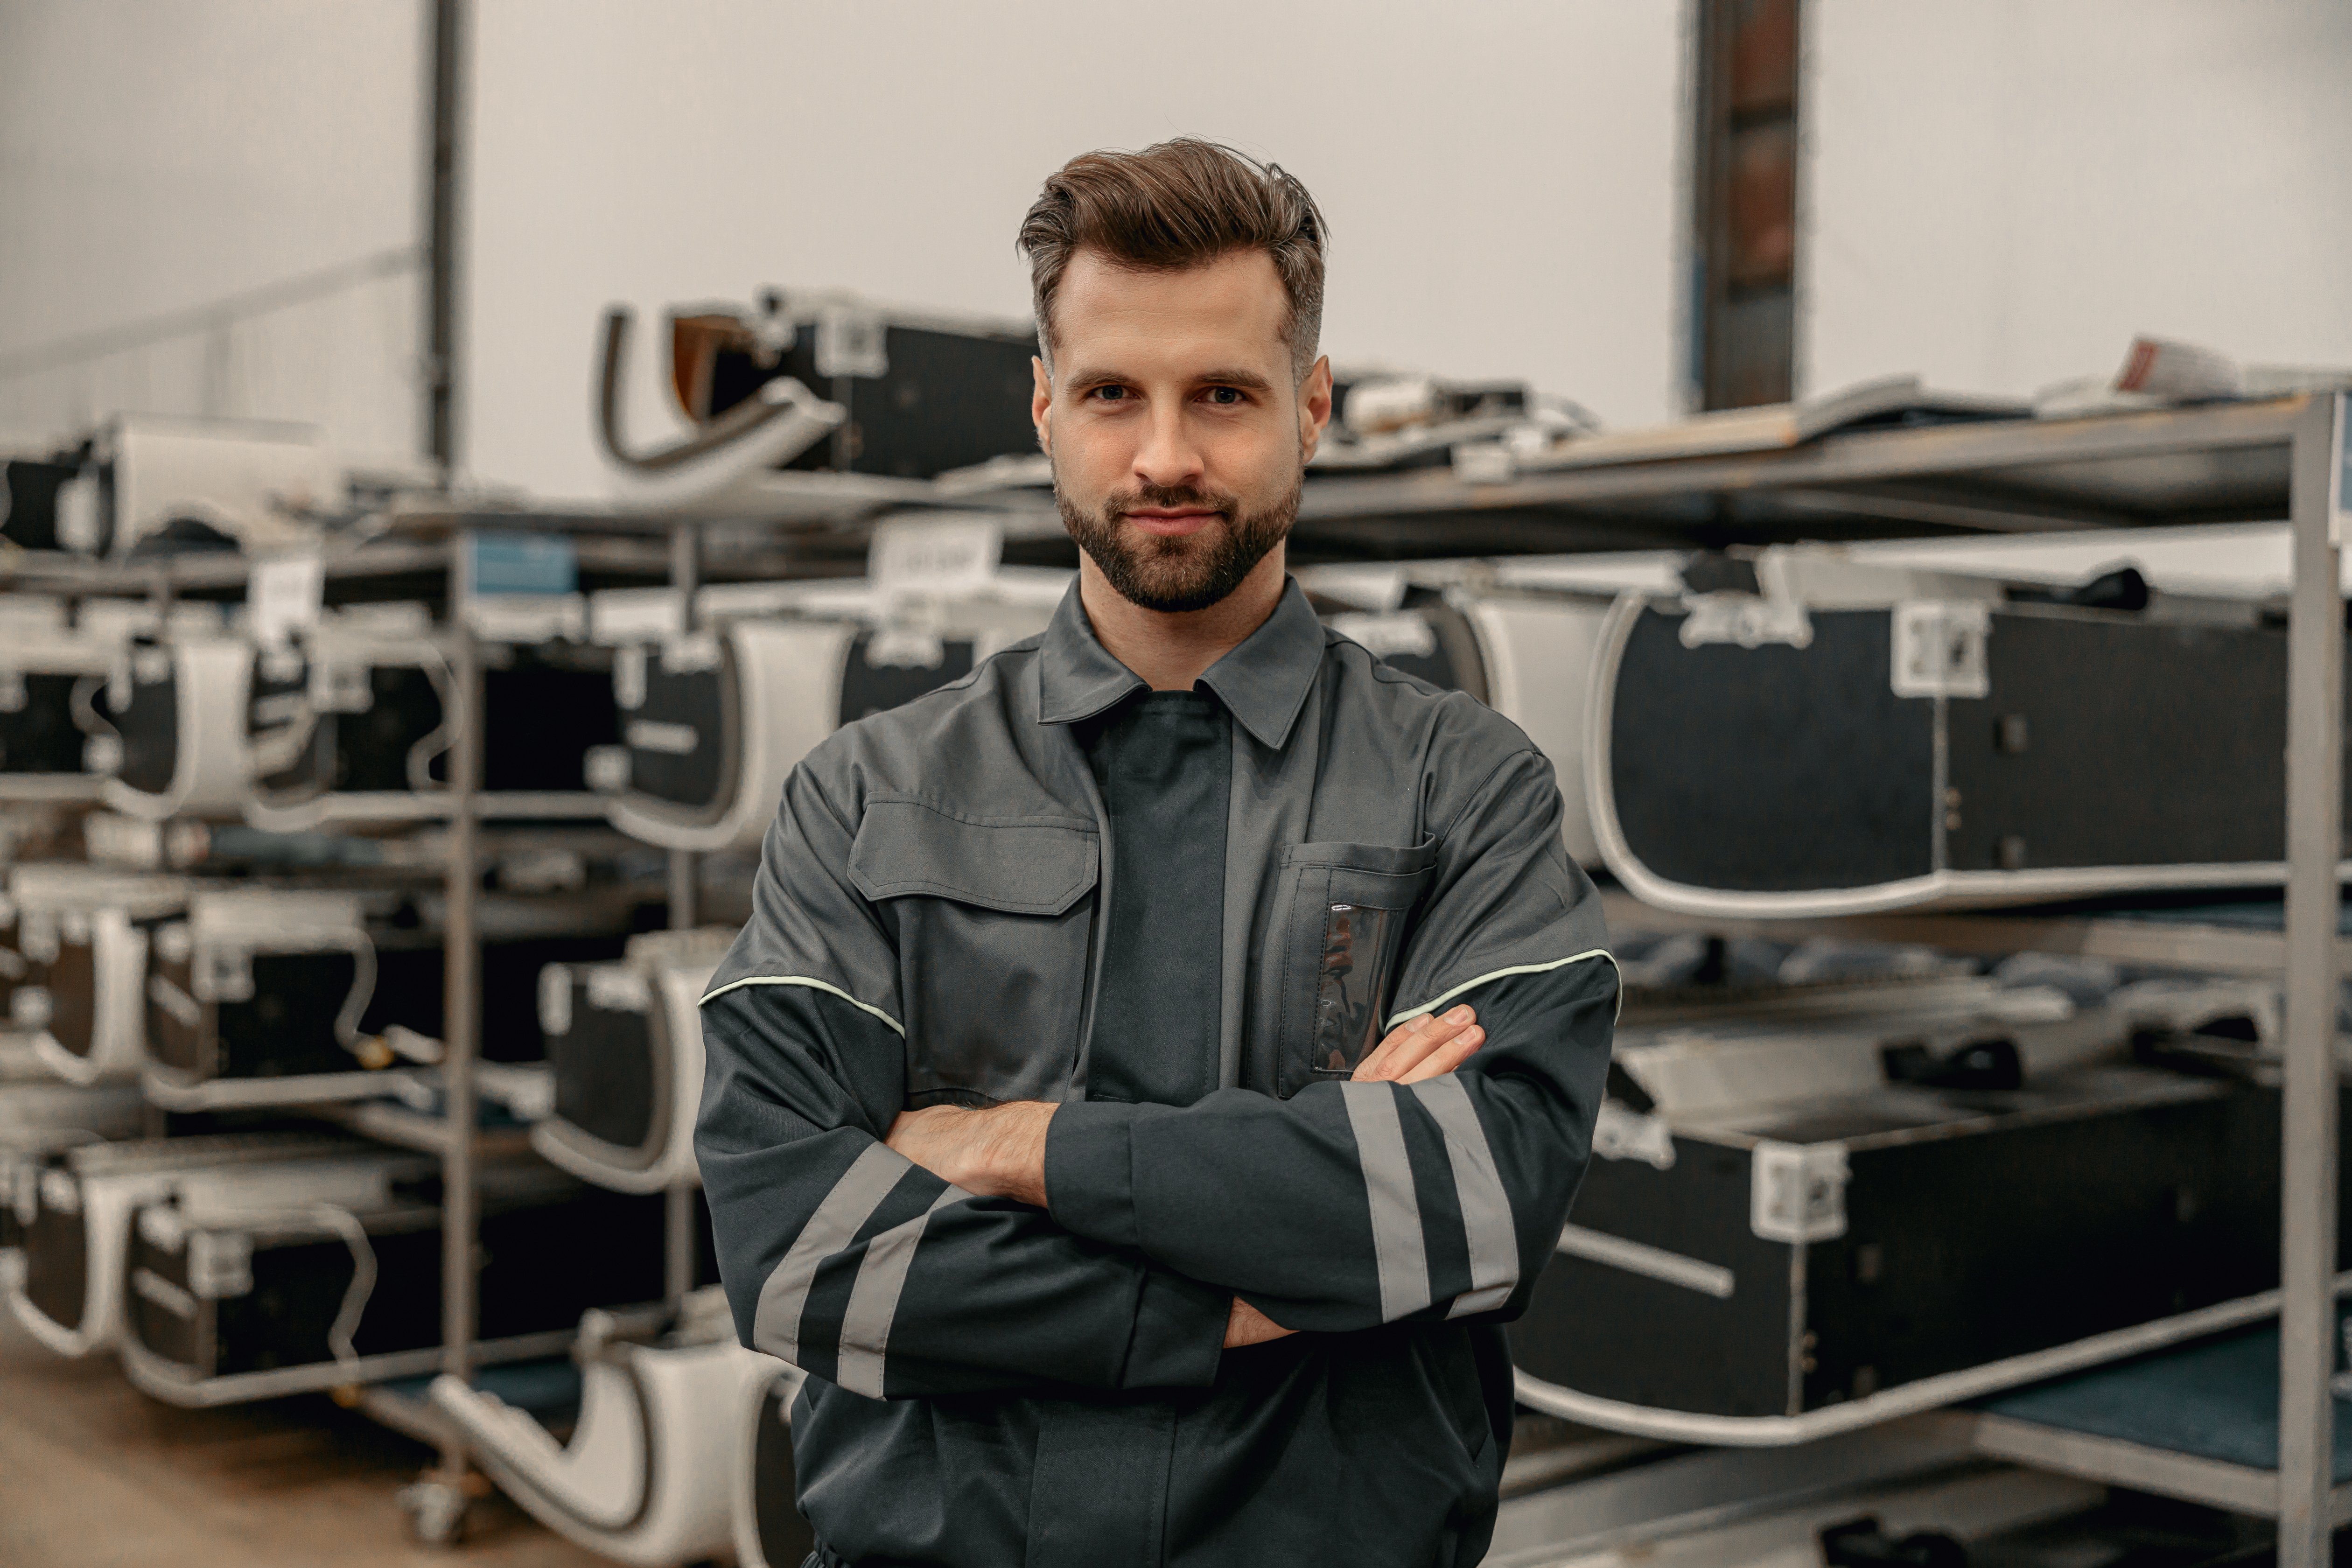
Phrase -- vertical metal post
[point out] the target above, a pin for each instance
(154, 1121)
(685, 581)
(441, 234)
(679, 1216)
(461, 1022)
(2314, 846)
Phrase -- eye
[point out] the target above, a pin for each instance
(1106, 393)
(1227, 396)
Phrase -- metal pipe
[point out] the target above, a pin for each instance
(442, 235)
(461, 1020)
(678, 1239)
(2308, 1131)
(679, 1233)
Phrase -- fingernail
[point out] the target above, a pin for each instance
(1460, 1016)
(1473, 1034)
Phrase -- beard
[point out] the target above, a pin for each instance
(1191, 573)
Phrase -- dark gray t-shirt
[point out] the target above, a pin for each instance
(1163, 761)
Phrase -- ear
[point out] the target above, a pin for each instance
(1041, 404)
(1314, 407)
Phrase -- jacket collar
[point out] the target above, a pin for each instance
(1262, 682)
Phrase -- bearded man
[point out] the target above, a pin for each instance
(1095, 1108)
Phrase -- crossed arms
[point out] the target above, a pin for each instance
(1098, 1245)
(1000, 1150)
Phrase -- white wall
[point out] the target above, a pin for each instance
(1500, 177)
(2000, 194)
(156, 156)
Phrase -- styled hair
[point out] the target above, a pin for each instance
(1177, 205)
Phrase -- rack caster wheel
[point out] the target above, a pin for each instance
(436, 1509)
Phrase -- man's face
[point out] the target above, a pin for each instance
(1178, 433)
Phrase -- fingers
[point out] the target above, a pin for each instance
(1245, 1325)
(1447, 1056)
(1414, 1042)
(1408, 1043)
(1375, 1066)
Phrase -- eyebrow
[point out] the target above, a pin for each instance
(1247, 379)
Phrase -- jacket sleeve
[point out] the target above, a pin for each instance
(1352, 1205)
(841, 1255)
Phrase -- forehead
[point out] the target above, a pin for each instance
(1228, 311)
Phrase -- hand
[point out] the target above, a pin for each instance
(998, 1151)
(1424, 1048)
(1248, 1326)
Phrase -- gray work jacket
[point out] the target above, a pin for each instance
(996, 1384)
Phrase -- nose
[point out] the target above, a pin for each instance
(1169, 457)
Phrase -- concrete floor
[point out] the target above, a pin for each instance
(94, 1474)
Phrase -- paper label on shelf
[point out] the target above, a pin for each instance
(283, 594)
(941, 555)
(1797, 1191)
(1939, 649)
(533, 563)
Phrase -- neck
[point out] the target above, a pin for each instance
(1172, 649)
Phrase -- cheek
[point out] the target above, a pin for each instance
(1253, 460)
(1091, 456)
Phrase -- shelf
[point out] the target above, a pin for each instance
(390, 1124)
(2204, 464)
(2226, 462)
(2246, 938)
(2199, 1421)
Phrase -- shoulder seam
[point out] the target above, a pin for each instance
(1476, 795)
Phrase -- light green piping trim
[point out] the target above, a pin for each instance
(1517, 969)
(811, 985)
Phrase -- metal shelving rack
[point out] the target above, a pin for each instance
(2240, 462)
(2256, 461)
(425, 551)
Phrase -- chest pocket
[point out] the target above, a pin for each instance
(993, 918)
(1344, 912)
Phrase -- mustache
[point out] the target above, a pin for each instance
(1117, 505)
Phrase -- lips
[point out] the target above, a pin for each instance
(1172, 524)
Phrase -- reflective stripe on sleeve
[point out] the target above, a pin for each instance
(1485, 1207)
(1515, 969)
(809, 982)
(874, 1299)
(776, 1326)
(1398, 1246)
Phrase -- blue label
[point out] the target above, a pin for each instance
(521, 564)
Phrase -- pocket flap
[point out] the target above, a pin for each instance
(1022, 865)
(1381, 874)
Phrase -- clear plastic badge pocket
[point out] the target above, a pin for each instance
(1350, 977)
(1346, 912)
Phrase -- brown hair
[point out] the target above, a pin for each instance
(1179, 204)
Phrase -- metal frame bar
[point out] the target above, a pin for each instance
(447, 42)
(2313, 907)
(461, 1002)
(678, 1238)
(2162, 944)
